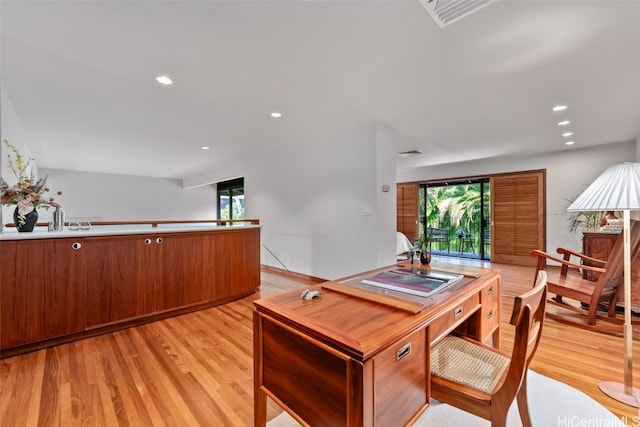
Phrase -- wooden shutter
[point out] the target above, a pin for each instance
(407, 210)
(518, 216)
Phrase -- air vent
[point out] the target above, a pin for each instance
(447, 11)
(410, 153)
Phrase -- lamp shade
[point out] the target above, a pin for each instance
(618, 188)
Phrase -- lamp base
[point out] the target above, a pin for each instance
(616, 391)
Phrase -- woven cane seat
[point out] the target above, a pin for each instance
(466, 363)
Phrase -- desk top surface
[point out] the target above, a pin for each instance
(361, 327)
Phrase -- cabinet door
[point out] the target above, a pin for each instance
(183, 273)
(21, 297)
(41, 291)
(237, 263)
(120, 278)
(597, 245)
(64, 291)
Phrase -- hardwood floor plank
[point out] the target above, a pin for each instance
(142, 401)
(51, 386)
(197, 369)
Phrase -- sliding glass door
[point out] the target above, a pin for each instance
(456, 215)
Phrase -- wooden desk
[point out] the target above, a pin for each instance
(344, 360)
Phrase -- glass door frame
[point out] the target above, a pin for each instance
(455, 244)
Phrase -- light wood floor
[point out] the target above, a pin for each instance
(196, 369)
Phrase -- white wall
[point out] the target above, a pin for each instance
(386, 148)
(568, 173)
(309, 201)
(11, 131)
(110, 197)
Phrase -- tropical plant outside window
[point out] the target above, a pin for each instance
(231, 199)
(462, 209)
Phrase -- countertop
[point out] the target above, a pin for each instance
(114, 230)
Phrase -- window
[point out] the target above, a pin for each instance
(457, 215)
(231, 199)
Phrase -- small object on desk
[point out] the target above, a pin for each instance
(309, 295)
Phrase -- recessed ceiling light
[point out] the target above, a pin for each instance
(567, 134)
(206, 148)
(564, 123)
(569, 143)
(559, 108)
(164, 80)
(276, 115)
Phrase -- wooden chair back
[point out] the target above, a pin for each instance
(527, 317)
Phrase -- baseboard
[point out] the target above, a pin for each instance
(297, 276)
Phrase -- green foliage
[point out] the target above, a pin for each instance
(586, 220)
(422, 242)
(454, 207)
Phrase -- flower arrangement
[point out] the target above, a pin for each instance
(25, 194)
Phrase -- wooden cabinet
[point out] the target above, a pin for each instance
(182, 264)
(144, 274)
(235, 264)
(57, 287)
(41, 290)
(598, 245)
(121, 277)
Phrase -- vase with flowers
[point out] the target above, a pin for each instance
(27, 195)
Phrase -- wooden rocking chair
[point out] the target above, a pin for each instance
(592, 296)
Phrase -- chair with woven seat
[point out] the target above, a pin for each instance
(482, 380)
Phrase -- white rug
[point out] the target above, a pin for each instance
(552, 404)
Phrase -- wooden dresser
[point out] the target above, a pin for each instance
(598, 244)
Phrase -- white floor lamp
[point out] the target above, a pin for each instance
(618, 189)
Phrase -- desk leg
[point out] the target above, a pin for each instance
(259, 397)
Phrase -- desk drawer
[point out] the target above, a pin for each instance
(401, 380)
(449, 320)
(490, 311)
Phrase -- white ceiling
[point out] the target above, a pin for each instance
(81, 78)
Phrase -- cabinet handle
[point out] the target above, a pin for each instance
(490, 315)
(147, 241)
(159, 240)
(458, 312)
(403, 352)
(490, 290)
(75, 246)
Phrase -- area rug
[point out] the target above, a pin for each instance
(552, 404)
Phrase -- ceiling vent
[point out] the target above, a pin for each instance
(447, 11)
(410, 153)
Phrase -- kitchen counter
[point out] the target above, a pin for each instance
(115, 230)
